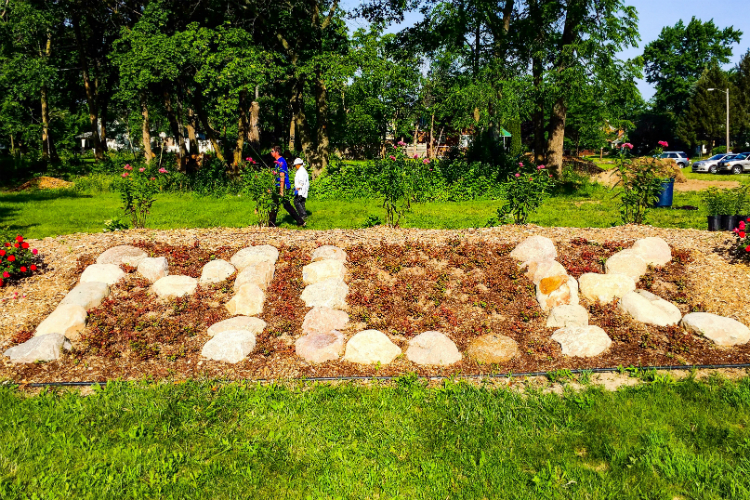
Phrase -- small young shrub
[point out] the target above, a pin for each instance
(17, 259)
(138, 191)
(260, 186)
(641, 186)
(524, 193)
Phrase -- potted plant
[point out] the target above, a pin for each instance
(737, 201)
(715, 202)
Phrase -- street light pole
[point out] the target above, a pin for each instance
(727, 93)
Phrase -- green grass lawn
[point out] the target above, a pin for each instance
(198, 440)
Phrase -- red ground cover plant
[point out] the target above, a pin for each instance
(17, 260)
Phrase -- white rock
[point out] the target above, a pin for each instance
(647, 308)
(370, 347)
(722, 331)
(261, 253)
(627, 262)
(230, 346)
(536, 271)
(582, 341)
(248, 301)
(328, 252)
(320, 347)
(102, 273)
(329, 293)
(323, 270)
(257, 273)
(568, 315)
(122, 254)
(175, 286)
(324, 319)
(216, 271)
(154, 269)
(655, 251)
(605, 287)
(557, 291)
(40, 348)
(87, 295)
(432, 348)
(536, 248)
(252, 325)
(68, 320)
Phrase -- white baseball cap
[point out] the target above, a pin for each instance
(299, 161)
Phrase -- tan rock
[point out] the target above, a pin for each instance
(323, 270)
(323, 320)
(248, 301)
(68, 320)
(230, 346)
(174, 287)
(433, 348)
(328, 252)
(371, 347)
(87, 295)
(493, 348)
(557, 291)
(47, 347)
(568, 315)
(536, 271)
(257, 273)
(216, 271)
(582, 341)
(627, 262)
(320, 347)
(122, 254)
(154, 269)
(647, 308)
(655, 251)
(329, 293)
(250, 255)
(722, 331)
(102, 273)
(605, 287)
(253, 325)
(534, 248)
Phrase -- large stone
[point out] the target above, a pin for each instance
(87, 295)
(249, 255)
(231, 346)
(605, 287)
(432, 348)
(216, 271)
(174, 287)
(102, 273)
(320, 347)
(154, 268)
(248, 301)
(557, 291)
(536, 248)
(329, 293)
(582, 341)
(40, 348)
(324, 319)
(323, 270)
(258, 273)
(655, 251)
(493, 348)
(68, 320)
(328, 252)
(370, 347)
(252, 325)
(648, 308)
(568, 315)
(537, 270)
(722, 331)
(628, 263)
(122, 254)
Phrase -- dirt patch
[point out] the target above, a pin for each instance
(697, 185)
(44, 183)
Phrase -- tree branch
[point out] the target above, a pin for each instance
(331, 12)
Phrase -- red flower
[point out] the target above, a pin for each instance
(33, 267)
(23, 269)
(16, 245)
(2, 253)
(35, 251)
(19, 238)
(742, 224)
(7, 244)
(11, 258)
(6, 274)
(747, 249)
(742, 234)
(24, 245)
(1, 283)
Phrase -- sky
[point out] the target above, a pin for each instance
(653, 15)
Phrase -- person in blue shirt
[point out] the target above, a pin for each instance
(284, 185)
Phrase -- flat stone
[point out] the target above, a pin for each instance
(175, 286)
(216, 271)
(535, 248)
(371, 347)
(154, 269)
(323, 270)
(122, 254)
(493, 348)
(231, 346)
(627, 262)
(257, 273)
(605, 287)
(68, 320)
(582, 341)
(655, 251)
(722, 331)
(249, 255)
(434, 349)
(557, 291)
(252, 325)
(320, 347)
(537, 270)
(329, 293)
(328, 252)
(102, 273)
(87, 295)
(248, 301)
(648, 308)
(324, 319)
(40, 348)
(568, 315)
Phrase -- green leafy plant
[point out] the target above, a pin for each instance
(115, 224)
(742, 243)
(17, 259)
(372, 221)
(737, 201)
(138, 192)
(395, 184)
(641, 186)
(260, 186)
(524, 193)
(715, 201)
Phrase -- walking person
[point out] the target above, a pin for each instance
(301, 187)
(285, 186)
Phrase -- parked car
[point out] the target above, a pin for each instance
(680, 157)
(735, 164)
(710, 165)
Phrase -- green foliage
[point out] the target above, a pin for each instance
(715, 201)
(17, 258)
(524, 193)
(396, 184)
(641, 186)
(115, 224)
(704, 121)
(138, 189)
(260, 187)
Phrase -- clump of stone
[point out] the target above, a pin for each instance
(319, 347)
(493, 348)
(371, 347)
(230, 346)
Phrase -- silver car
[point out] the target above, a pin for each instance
(710, 165)
(735, 164)
(680, 157)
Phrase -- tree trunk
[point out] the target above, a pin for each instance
(254, 136)
(557, 136)
(48, 149)
(198, 100)
(103, 111)
(192, 139)
(175, 127)
(431, 151)
(323, 147)
(146, 130)
(300, 123)
(90, 97)
(242, 129)
(537, 115)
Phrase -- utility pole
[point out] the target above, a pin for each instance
(727, 93)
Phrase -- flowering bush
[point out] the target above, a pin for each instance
(395, 182)
(138, 192)
(641, 186)
(260, 186)
(742, 235)
(17, 259)
(524, 192)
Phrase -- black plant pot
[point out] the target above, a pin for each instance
(739, 219)
(729, 222)
(714, 223)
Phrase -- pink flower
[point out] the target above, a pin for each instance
(540, 167)
(663, 143)
(401, 143)
(627, 145)
(518, 175)
(35, 251)
(392, 157)
(141, 169)
(128, 167)
(153, 178)
(6, 274)
(520, 164)
(742, 224)
(125, 174)
(416, 156)
(163, 170)
(426, 161)
(550, 176)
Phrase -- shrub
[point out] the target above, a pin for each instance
(742, 236)
(524, 192)
(138, 191)
(395, 184)
(641, 185)
(17, 259)
(259, 186)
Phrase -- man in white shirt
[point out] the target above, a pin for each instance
(301, 187)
